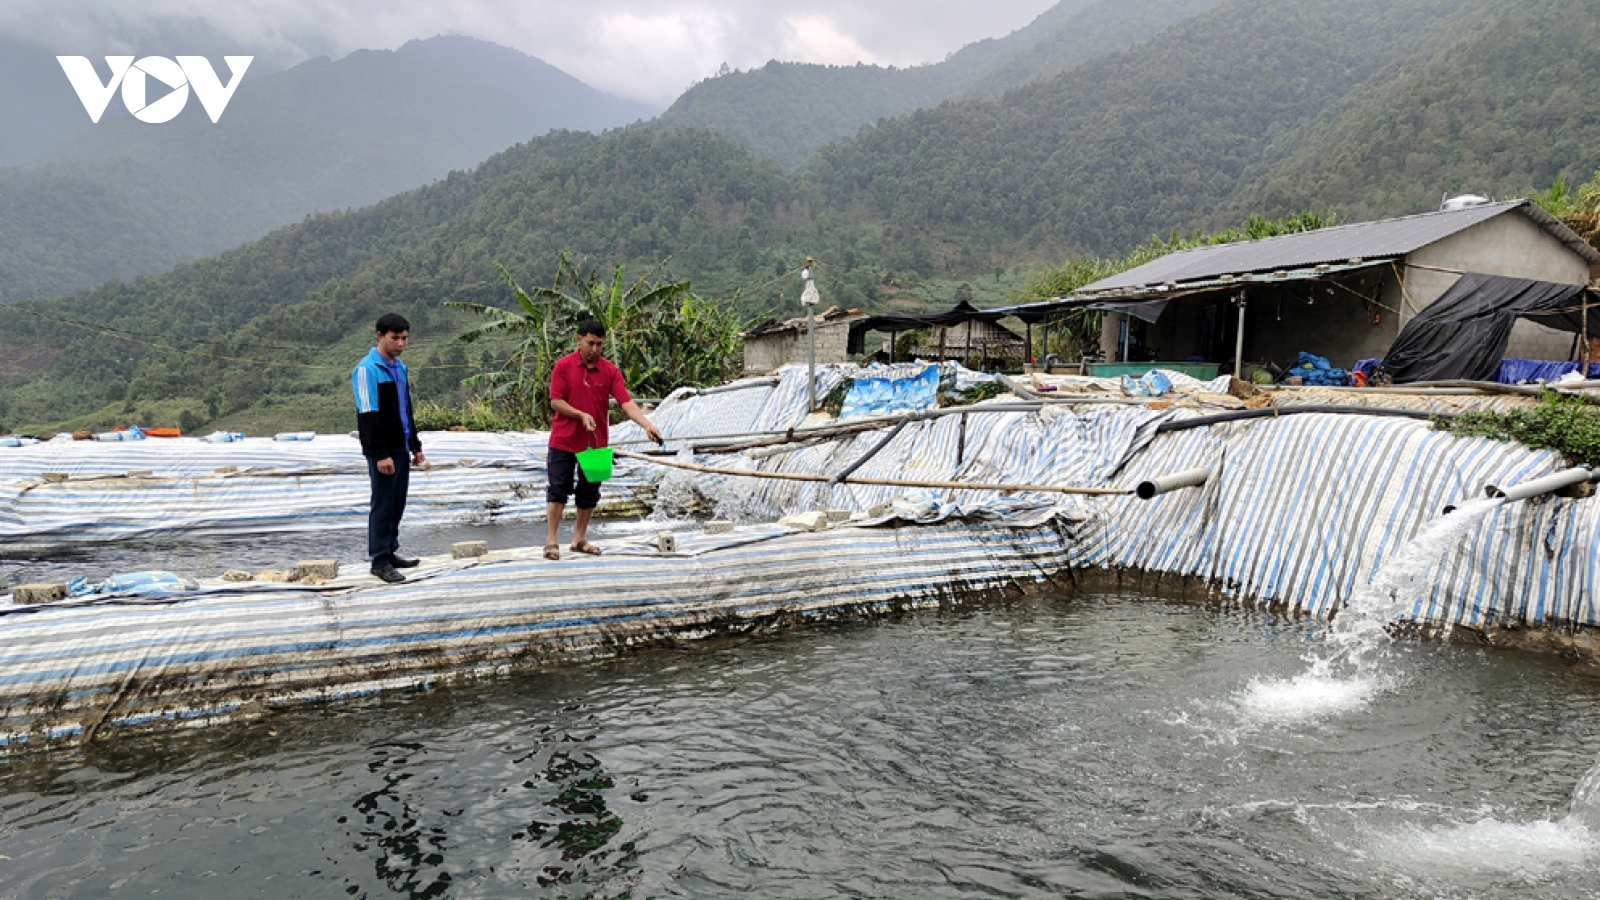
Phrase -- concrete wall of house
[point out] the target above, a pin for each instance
(1320, 318)
(1281, 320)
(1509, 244)
(1110, 334)
(769, 351)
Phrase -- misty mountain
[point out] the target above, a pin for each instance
(39, 106)
(124, 198)
(786, 111)
(1503, 109)
(1140, 142)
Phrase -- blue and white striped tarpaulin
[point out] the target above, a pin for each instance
(165, 487)
(1301, 511)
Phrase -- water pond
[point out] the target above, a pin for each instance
(1092, 745)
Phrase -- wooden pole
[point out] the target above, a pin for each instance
(1583, 355)
(883, 482)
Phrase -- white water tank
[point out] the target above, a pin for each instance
(1462, 201)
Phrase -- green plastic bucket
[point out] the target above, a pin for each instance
(596, 463)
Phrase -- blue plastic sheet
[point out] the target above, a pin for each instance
(1150, 384)
(1514, 370)
(893, 393)
(131, 584)
(1315, 370)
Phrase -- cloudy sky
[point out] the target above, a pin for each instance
(646, 49)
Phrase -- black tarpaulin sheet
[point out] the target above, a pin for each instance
(961, 312)
(1464, 333)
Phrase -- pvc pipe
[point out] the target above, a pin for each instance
(1187, 478)
(1274, 412)
(1544, 485)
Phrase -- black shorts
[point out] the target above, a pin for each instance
(562, 466)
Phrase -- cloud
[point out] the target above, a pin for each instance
(647, 49)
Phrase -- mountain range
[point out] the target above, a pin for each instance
(122, 198)
(1356, 107)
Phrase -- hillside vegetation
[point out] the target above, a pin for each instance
(1504, 110)
(786, 111)
(1137, 143)
(1169, 138)
(124, 198)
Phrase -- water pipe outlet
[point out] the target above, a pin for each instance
(1178, 480)
(1554, 482)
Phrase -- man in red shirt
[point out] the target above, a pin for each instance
(582, 384)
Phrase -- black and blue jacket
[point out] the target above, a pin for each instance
(384, 413)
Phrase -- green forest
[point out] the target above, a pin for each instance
(1351, 109)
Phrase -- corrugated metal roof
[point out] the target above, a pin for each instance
(1384, 239)
(1039, 310)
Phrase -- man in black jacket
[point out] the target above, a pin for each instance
(389, 442)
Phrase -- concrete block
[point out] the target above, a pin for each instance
(879, 510)
(236, 575)
(322, 568)
(666, 542)
(719, 526)
(838, 515)
(806, 521)
(54, 477)
(225, 470)
(38, 593)
(469, 549)
(272, 575)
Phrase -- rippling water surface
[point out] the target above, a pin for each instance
(1068, 745)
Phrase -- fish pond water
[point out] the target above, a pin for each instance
(1064, 744)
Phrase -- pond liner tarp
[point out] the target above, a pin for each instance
(1464, 333)
(1300, 512)
(70, 670)
(151, 489)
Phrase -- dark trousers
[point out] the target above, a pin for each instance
(388, 505)
(564, 474)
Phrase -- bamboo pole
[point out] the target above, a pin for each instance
(881, 482)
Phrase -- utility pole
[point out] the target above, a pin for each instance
(1238, 340)
(809, 299)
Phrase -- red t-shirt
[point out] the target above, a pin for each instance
(589, 389)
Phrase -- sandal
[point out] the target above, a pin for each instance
(585, 547)
(552, 551)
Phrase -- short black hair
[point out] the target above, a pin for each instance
(592, 326)
(392, 323)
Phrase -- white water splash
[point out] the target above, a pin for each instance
(1307, 696)
(1465, 853)
(676, 495)
(1347, 672)
(1359, 632)
(1520, 851)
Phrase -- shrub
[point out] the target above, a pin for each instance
(1568, 425)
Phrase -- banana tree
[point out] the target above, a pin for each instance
(660, 334)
